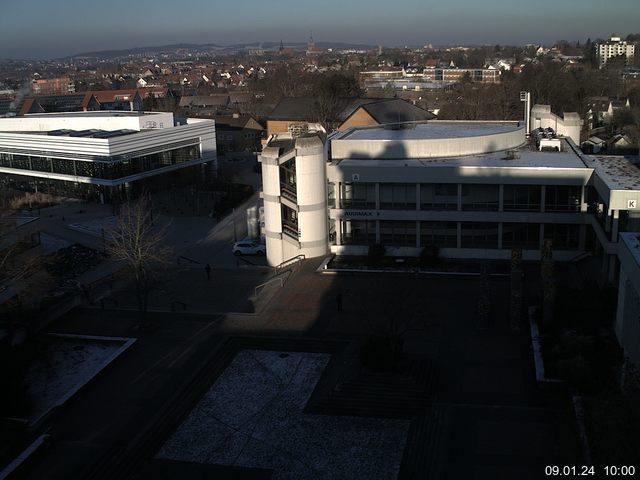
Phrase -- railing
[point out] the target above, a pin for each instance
(288, 192)
(188, 260)
(291, 230)
(288, 263)
(521, 207)
(261, 287)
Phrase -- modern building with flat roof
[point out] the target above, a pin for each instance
(100, 154)
(467, 190)
(474, 190)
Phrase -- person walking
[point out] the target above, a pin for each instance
(207, 268)
(339, 302)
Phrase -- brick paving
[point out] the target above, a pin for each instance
(479, 413)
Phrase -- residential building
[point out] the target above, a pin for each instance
(70, 102)
(615, 47)
(125, 100)
(384, 111)
(427, 78)
(237, 133)
(103, 156)
(52, 86)
(296, 113)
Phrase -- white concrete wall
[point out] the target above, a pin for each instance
(272, 207)
(569, 126)
(427, 148)
(80, 148)
(106, 120)
(311, 196)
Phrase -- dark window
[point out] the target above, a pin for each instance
(522, 198)
(480, 197)
(521, 235)
(479, 235)
(358, 195)
(439, 196)
(358, 232)
(439, 234)
(562, 198)
(563, 236)
(398, 196)
(398, 233)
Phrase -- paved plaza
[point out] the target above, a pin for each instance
(467, 391)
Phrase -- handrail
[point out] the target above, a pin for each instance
(262, 285)
(290, 261)
(187, 259)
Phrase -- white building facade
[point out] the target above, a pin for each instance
(474, 190)
(95, 154)
(613, 48)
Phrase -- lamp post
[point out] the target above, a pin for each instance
(526, 98)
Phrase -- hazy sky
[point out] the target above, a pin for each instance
(50, 28)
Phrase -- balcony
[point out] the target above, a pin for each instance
(290, 229)
(289, 191)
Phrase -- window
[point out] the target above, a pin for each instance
(523, 198)
(480, 197)
(479, 235)
(439, 196)
(398, 196)
(563, 236)
(398, 233)
(41, 164)
(439, 234)
(521, 235)
(358, 195)
(288, 179)
(290, 221)
(562, 198)
(358, 232)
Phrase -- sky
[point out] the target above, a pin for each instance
(41, 29)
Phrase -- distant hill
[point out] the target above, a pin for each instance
(214, 48)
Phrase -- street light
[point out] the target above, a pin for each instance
(526, 98)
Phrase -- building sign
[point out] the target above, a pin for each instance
(355, 177)
(360, 213)
(632, 204)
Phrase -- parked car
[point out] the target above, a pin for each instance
(245, 247)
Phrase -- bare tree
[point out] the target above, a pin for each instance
(135, 240)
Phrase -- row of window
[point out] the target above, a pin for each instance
(403, 196)
(104, 170)
(445, 234)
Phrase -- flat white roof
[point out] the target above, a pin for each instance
(434, 129)
(618, 173)
(526, 159)
(80, 121)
